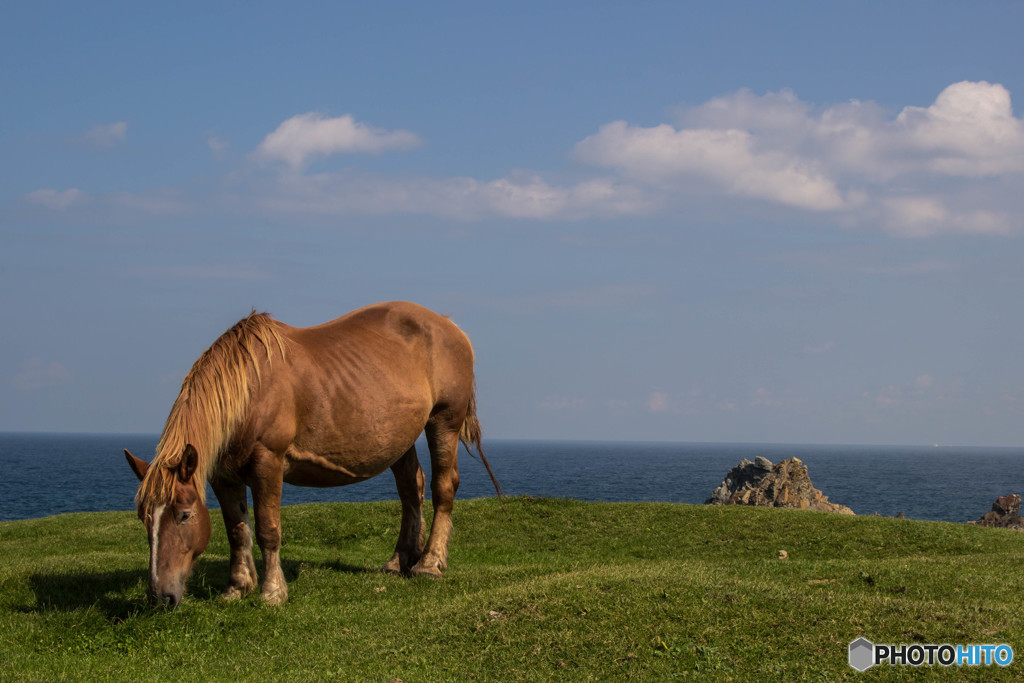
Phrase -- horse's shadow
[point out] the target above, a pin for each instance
(106, 591)
(121, 594)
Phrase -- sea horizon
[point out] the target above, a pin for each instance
(542, 439)
(57, 472)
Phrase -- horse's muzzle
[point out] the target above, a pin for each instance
(169, 600)
(166, 597)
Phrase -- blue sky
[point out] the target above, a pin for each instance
(776, 222)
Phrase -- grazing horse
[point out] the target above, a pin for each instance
(318, 406)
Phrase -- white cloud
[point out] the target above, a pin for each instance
(307, 136)
(105, 136)
(923, 216)
(36, 373)
(695, 402)
(743, 110)
(218, 147)
(558, 403)
(156, 202)
(969, 130)
(888, 395)
(522, 195)
(814, 350)
(54, 199)
(921, 392)
(953, 166)
(924, 382)
(729, 158)
(912, 211)
(765, 398)
(849, 161)
(659, 402)
(518, 195)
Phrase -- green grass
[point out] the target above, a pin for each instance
(540, 589)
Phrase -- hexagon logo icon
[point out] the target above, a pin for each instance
(862, 654)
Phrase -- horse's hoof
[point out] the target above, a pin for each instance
(235, 591)
(401, 564)
(278, 597)
(432, 572)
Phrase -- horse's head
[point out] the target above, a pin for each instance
(178, 527)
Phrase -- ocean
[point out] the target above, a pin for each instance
(49, 474)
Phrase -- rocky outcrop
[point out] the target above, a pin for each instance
(786, 484)
(1005, 513)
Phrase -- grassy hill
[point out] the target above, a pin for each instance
(538, 589)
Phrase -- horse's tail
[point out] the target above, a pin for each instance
(470, 436)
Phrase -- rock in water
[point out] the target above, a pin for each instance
(786, 484)
(1005, 513)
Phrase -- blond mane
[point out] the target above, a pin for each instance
(214, 399)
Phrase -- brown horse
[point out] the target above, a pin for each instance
(319, 406)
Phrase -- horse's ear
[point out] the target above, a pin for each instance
(139, 467)
(189, 463)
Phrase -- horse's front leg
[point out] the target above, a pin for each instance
(266, 483)
(242, 578)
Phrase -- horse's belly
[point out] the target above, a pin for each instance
(304, 468)
(346, 443)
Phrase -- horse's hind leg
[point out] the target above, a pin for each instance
(242, 578)
(410, 481)
(443, 439)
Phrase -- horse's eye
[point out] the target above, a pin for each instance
(184, 516)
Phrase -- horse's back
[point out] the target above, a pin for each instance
(368, 381)
(401, 319)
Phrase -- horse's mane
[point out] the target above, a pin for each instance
(214, 399)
